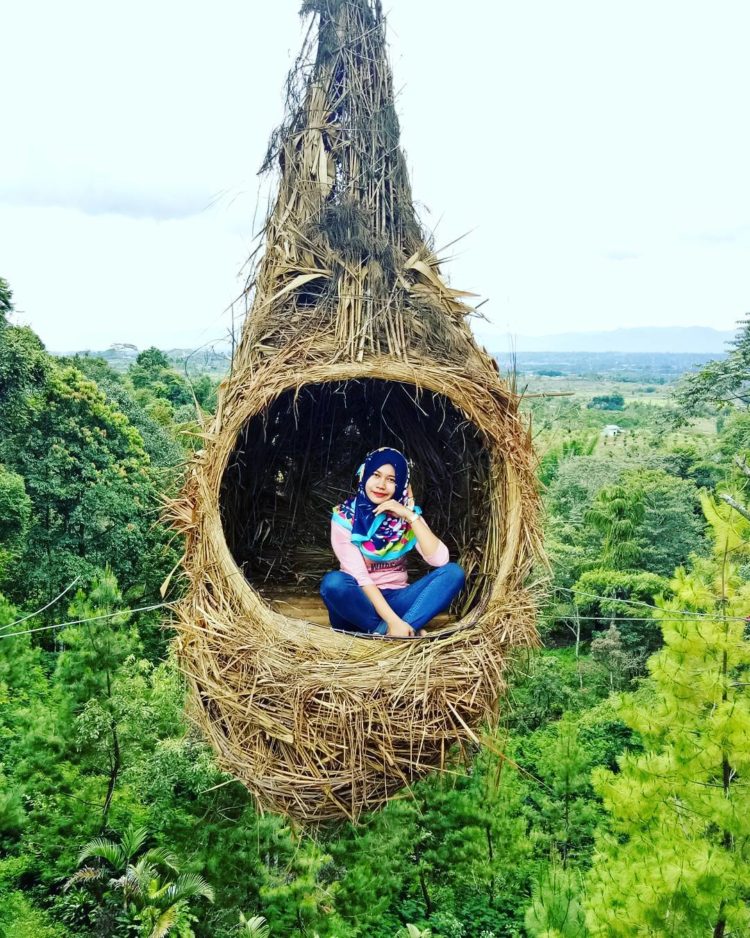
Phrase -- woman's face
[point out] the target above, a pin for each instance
(382, 484)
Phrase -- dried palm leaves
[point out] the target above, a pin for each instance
(354, 340)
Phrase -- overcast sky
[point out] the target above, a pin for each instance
(597, 151)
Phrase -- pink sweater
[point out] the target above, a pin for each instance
(386, 576)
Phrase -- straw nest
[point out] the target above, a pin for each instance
(353, 340)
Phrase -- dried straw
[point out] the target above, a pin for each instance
(353, 338)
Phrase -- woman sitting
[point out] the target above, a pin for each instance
(371, 533)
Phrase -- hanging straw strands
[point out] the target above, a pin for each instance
(354, 340)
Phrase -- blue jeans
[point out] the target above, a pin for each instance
(350, 610)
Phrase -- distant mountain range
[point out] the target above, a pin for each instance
(540, 351)
(121, 355)
(655, 340)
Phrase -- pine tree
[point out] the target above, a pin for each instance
(676, 860)
(555, 910)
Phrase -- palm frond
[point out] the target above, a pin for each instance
(160, 856)
(254, 927)
(187, 886)
(103, 849)
(88, 874)
(132, 840)
(165, 922)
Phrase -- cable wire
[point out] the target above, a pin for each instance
(39, 611)
(106, 615)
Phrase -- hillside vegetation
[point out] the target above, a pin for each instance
(612, 800)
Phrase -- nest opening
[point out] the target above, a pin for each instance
(296, 459)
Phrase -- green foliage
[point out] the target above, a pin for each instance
(20, 919)
(724, 383)
(24, 366)
(556, 910)
(676, 858)
(168, 399)
(562, 808)
(607, 402)
(6, 301)
(456, 858)
(254, 927)
(616, 515)
(153, 373)
(626, 597)
(89, 481)
(549, 464)
(608, 650)
(159, 442)
(735, 434)
(140, 881)
(673, 524)
(15, 508)
(15, 515)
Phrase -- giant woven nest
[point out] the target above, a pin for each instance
(353, 340)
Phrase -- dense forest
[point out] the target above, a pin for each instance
(611, 800)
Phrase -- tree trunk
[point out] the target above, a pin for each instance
(428, 910)
(113, 773)
(721, 925)
(491, 857)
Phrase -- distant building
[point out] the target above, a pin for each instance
(612, 430)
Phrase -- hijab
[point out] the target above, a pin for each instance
(382, 537)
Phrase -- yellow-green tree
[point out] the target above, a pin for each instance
(676, 857)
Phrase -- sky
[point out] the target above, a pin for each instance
(594, 154)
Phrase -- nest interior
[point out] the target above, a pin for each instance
(296, 459)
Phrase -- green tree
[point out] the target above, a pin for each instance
(724, 382)
(91, 488)
(162, 448)
(675, 858)
(619, 664)
(549, 464)
(627, 598)
(607, 402)
(561, 807)
(457, 857)
(556, 910)
(153, 375)
(6, 301)
(98, 664)
(616, 515)
(15, 515)
(24, 366)
(673, 525)
(141, 879)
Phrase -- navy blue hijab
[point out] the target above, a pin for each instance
(384, 536)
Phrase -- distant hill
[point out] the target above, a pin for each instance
(649, 367)
(673, 339)
(631, 354)
(209, 359)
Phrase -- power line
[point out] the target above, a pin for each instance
(550, 616)
(39, 611)
(107, 615)
(645, 605)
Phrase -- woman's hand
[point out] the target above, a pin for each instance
(397, 628)
(393, 507)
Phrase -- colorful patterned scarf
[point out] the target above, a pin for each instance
(382, 537)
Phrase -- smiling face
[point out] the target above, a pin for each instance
(382, 484)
